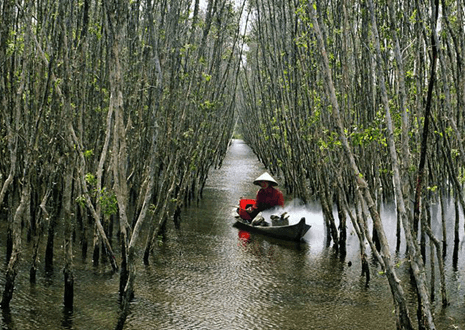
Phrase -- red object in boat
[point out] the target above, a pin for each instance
(245, 203)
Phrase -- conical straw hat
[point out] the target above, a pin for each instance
(265, 177)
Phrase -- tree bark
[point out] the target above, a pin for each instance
(13, 263)
(424, 313)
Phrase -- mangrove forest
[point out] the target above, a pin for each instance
(113, 114)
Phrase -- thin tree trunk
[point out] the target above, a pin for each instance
(443, 223)
(67, 217)
(12, 149)
(13, 263)
(424, 313)
(342, 224)
(358, 224)
(426, 226)
(455, 256)
(41, 216)
(68, 299)
(326, 199)
(95, 248)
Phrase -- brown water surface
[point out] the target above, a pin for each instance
(209, 275)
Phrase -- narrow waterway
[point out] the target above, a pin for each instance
(205, 277)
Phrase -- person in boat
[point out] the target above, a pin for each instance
(268, 196)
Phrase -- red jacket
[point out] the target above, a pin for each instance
(268, 198)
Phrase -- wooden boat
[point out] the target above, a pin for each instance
(290, 233)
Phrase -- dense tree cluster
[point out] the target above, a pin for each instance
(356, 103)
(111, 115)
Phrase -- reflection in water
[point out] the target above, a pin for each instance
(67, 318)
(209, 275)
(244, 237)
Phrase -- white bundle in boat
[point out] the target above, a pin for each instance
(280, 220)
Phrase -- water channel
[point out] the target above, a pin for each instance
(205, 277)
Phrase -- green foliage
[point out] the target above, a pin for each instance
(105, 197)
(188, 134)
(91, 179)
(15, 43)
(364, 137)
(461, 176)
(455, 153)
(301, 41)
(193, 166)
(95, 29)
(88, 153)
(81, 200)
(206, 76)
(207, 105)
(449, 131)
(108, 201)
(332, 141)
